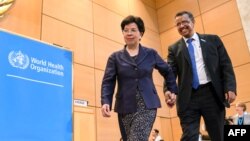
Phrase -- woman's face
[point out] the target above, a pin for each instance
(131, 34)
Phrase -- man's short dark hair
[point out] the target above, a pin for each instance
(156, 131)
(190, 15)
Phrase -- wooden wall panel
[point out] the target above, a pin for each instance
(107, 128)
(117, 6)
(84, 84)
(68, 36)
(173, 111)
(168, 38)
(166, 14)
(161, 3)
(206, 5)
(224, 23)
(176, 128)
(166, 131)
(237, 49)
(98, 82)
(243, 83)
(151, 39)
(148, 14)
(103, 49)
(164, 110)
(107, 24)
(84, 124)
(157, 78)
(231, 111)
(24, 18)
(150, 3)
(75, 12)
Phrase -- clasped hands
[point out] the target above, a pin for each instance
(170, 99)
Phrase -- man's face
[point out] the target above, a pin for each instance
(154, 133)
(239, 110)
(185, 25)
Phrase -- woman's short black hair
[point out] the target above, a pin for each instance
(133, 19)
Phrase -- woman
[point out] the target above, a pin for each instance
(136, 98)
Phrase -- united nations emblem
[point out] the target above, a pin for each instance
(18, 59)
(5, 5)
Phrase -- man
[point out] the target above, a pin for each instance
(206, 79)
(156, 136)
(242, 117)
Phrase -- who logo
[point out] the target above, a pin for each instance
(18, 59)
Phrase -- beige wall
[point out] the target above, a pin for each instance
(91, 29)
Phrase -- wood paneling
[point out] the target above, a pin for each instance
(117, 6)
(158, 79)
(166, 14)
(103, 49)
(24, 18)
(206, 5)
(243, 83)
(164, 110)
(224, 23)
(107, 128)
(237, 49)
(98, 82)
(176, 128)
(75, 12)
(148, 14)
(107, 24)
(84, 124)
(68, 36)
(150, 3)
(168, 38)
(161, 3)
(166, 131)
(84, 84)
(151, 39)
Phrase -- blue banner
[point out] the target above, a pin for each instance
(35, 90)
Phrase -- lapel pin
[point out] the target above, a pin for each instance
(203, 40)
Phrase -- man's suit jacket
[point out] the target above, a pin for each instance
(133, 76)
(246, 119)
(218, 66)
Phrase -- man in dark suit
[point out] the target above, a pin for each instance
(206, 79)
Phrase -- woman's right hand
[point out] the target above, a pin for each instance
(106, 110)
